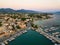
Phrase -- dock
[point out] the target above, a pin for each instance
(12, 37)
(52, 38)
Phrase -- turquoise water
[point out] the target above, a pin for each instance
(31, 38)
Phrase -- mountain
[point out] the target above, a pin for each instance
(8, 10)
(58, 12)
(26, 11)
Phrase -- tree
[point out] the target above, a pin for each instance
(0, 24)
(23, 19)
(36, 26)
(18, 27)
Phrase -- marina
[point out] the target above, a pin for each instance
(53, 39)
(29, 22)
(48, 31)
(48, 36)
(13, 37)
(31, 38)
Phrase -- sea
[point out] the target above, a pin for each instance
(35, 38)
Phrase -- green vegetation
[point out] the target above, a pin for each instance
(0, 23)
(23, 19)
(18, 27)
(38, 16)
(31, 15)
(41, 15)
(14, 17)
(13, 27)
(34, 26)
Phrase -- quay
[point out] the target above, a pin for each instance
(40, 30)
(12, 37)
(53, 39)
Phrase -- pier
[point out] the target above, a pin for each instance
(12, 37)
(40, 30)
(53, 39)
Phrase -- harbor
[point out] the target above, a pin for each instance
(31, 38)
(50, 29)
(12, 37)
(53, 39)
(14, 28)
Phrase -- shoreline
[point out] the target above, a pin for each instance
(53, 39)
(24, 31)
(37, 32)
(5, 42)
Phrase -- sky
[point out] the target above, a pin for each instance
(31, 4)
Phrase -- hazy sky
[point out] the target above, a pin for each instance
(31, 4)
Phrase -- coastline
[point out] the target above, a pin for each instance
(18, 34)
(12, 37)
(24, 31)
(53, 39)
(31, 38)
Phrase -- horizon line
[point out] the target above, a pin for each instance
(48, 10)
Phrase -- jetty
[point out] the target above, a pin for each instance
(52, 38)
(12, 37)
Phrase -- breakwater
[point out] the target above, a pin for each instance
(31, 38)
(12, 37)
(52, 38)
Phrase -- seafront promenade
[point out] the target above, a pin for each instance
(40, 30)
(12, 37)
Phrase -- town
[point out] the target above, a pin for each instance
(15, 24)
